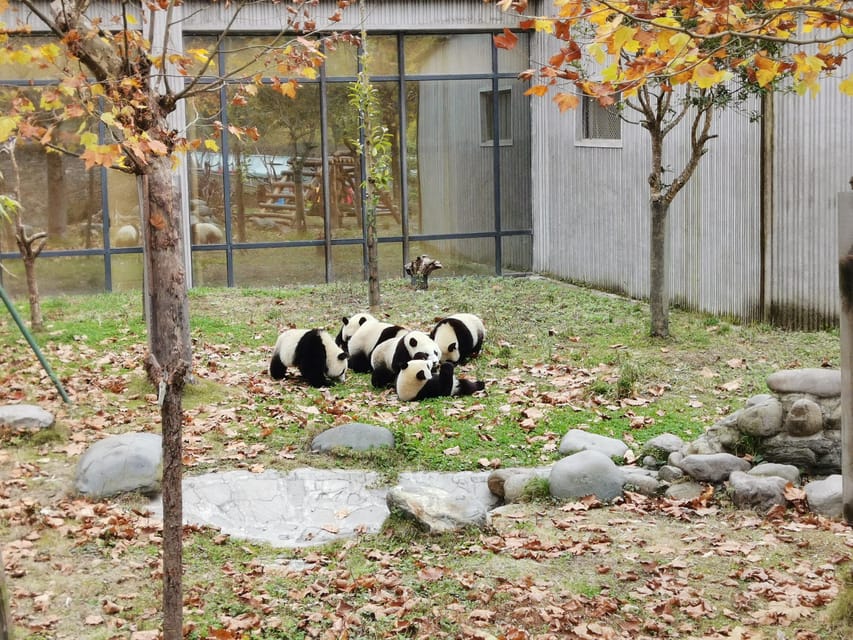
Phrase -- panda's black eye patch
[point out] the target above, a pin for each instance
(342, 356)
(421, 375)
(413, 342)
(362, 321)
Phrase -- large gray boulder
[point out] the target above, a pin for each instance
(586, 473)
(116, 464)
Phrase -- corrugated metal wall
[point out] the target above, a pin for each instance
(814, 162)
(591, 220)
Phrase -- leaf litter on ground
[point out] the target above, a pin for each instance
(641, 568)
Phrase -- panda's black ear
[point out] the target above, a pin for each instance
(345, 319)
(404, 365)
(421, 375)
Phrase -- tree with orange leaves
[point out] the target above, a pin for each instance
(665, 64)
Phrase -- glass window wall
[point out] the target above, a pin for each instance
(264, 207)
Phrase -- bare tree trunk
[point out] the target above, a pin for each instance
(6, 625)
(57, 203)
(658, 296)
(168, 365)
(845, 281)
(373, 297)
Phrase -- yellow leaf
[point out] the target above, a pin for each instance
(108, 119)
(610, 73)
(537, 90)
(706, 76)
(846, 85)
(88, 139)
(566, 101)
(596, 52)
(681, 41)
(211, 145)
(621, 37)
(543, 24)
(8, 125)
(131, 19)
(309, 72)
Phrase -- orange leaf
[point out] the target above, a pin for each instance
(506, 41)
(538, 90)
(566, 101)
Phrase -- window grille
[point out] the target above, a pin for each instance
(487, 113)
(600, 122)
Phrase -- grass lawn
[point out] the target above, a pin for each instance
(556, 357)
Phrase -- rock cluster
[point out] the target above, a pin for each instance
(798, 424)
(794, 430)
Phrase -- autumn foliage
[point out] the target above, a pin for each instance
(610, 48)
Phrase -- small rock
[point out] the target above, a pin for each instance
(714, 467)
(642, 481)
(760, 493)
(670, 473)
(436, 510)
(684, 491)
(586, 473)
(762, 418)
(825, 496)
(577, 440)
(661, 446)
(354, 435)
(787, 471)
(804, 418)
(126, 462)
(20, 418)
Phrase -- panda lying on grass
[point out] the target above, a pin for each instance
(416, 381)
(314, 352)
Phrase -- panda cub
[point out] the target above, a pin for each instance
(314, 352)
(388, 358)
(350, 326)
(459, 336)
(416, 381)
(365, 340)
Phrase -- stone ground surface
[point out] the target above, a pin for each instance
(306, 506)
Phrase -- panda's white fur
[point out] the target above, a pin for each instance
(366, 339)
(416, 381)
(459, 336)
(313, 352)
(349, 326)
(389, 356)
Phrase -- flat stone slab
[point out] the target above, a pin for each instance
(824, 383)
(355, 435)
(307, 506)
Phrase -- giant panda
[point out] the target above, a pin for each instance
(389, 356)
(416, 381)
(314, 352)
(459, 336)
(363, 342)
(350, 326)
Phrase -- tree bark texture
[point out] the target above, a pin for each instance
(373, 296)
(57, 203)
(6, 625)
(658, 296)
(170, 363)
(30, 247)
(845, 283)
